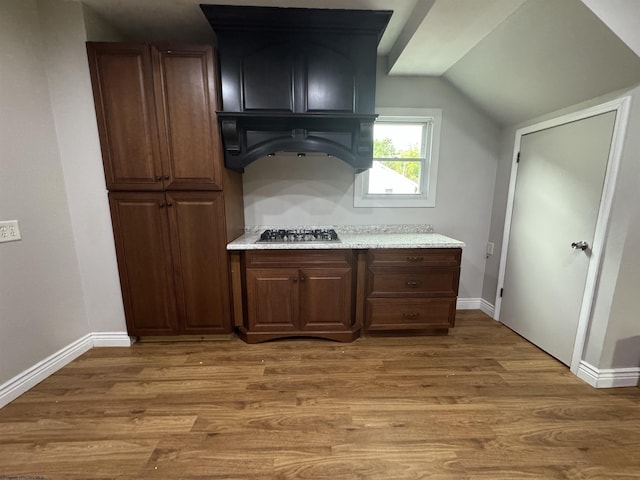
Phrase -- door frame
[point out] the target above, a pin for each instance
(621, 107)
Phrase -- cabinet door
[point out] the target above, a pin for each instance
(330, 80)
(141, 230)
(185, 86)
(267, 77)
(272, 299)
(325, 299)
(200, 260)
(121, 76)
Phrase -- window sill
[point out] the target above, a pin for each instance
(406, 201)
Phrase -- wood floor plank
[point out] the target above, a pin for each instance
(478, 404)
(75, 459)
(94, 428)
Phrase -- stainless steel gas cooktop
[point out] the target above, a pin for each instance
(298, 235)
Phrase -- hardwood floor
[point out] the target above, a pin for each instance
(481, 403)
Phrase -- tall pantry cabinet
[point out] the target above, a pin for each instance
(173, 204)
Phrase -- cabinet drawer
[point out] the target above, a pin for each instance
(414, 257)
(407, 314)
(298, 258)
(437, 281)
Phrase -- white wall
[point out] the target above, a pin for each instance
(501, 190)
(319, 190)
(63, 28)
(97, 29)
(621, 346)
(41, 300)
(614, 333)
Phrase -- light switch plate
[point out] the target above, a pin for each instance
(490, 247)
(9, 231)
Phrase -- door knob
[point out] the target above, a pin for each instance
(580, 245)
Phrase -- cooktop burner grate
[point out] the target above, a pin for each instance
(299, 235)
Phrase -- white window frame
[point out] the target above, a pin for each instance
(429, 171)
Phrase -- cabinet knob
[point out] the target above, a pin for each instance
(169, 204)
(158, 178)
(412, 283)
(166, 177)
(302, 279)
(415, 259)
(295, 279)
(411, 315)
(161, 204)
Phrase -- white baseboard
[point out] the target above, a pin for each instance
(475, 304)
(468, 303)
(609, 377)
(487, 307)
(26, 380)
(111, 339)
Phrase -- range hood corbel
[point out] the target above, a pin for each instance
(297, 80)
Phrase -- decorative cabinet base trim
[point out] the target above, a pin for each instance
(257, 337)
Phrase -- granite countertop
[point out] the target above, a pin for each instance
(353, 237)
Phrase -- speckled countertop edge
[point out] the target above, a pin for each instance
(353, 237)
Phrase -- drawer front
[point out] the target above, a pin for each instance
(414, 257)
(435, 281)
(298, 258)
(406, 314)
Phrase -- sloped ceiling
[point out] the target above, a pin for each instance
(622, 17)
(439, 33)
(550, 54)
(515, 59)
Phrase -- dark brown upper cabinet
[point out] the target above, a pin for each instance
(296, 79)
(156, 116)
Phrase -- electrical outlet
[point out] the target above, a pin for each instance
(9, 231)
(490, 246)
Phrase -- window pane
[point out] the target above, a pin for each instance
(397, 140)
(395, 177)
(405, 160)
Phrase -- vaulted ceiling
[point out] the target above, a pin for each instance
(515, 59)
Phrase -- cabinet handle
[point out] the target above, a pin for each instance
(411, 315)
(415, 259)
(412, 283)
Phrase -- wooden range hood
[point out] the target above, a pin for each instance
(297, 80)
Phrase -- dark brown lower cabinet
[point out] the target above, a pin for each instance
(299, 293)
(171, 251)
(412, 289)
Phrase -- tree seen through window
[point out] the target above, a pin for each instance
(384, 148)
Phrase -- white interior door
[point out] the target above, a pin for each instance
(557, 196)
